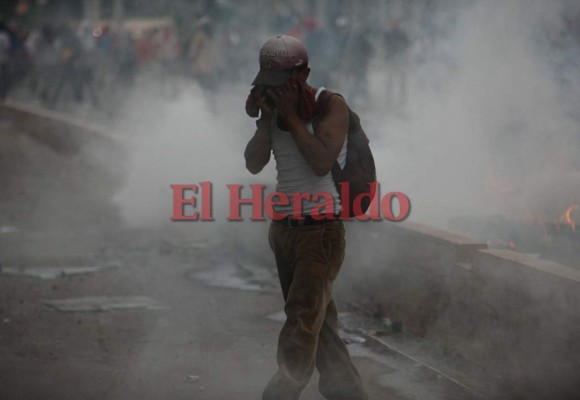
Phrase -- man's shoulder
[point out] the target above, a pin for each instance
(331, 101)
(331, 106)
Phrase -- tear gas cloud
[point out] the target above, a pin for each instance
(488, 124)
(487, 102)
(490, 98)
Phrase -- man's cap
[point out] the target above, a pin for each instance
(278, 57)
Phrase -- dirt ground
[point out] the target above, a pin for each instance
(206, 343)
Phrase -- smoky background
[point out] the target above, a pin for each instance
(473, 116)
(471, 108)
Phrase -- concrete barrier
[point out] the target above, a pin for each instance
(406, 270)
(525, 322)
(514, 315)
(71, 137)
(63, 133)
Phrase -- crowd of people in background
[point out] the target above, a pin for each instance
(91, 62)
(72, 59)
(80, 61)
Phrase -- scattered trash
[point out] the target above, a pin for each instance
(228, 275)
(389, 327)
(102, 303)
(6, 320)
(351, 339)
(192, 378)
(55, 272)
(378, 332)
(8, 229)
(279, 316)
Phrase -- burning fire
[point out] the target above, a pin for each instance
(567, 218)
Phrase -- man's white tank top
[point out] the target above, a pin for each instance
(295, 174)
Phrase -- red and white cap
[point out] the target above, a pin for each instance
(278, 57)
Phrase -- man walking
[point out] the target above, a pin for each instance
(308, 247)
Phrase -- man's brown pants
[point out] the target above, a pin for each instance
(308, 259)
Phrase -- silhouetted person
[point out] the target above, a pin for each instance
(360, 52)
(72, 70)
(46, 63)
(127, 59)
(397, 46)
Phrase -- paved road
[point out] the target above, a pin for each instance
(205, 342)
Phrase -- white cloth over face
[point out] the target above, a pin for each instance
(296, 176)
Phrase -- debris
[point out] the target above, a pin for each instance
(52, 272)
(378, 332)
(228, 275)
(103, 303)
(192, 378)
(279, 316)
(350, 339)
(6, 320)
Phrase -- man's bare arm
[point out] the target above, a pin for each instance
(259, 148)
(322, 149)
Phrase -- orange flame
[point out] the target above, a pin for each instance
(567, 219)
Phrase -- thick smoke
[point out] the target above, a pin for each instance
(486, 128)
(186, 140)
